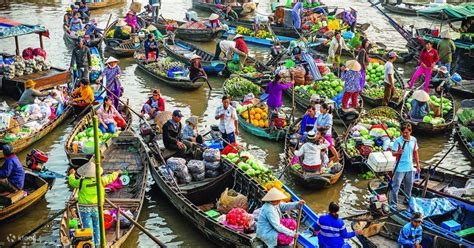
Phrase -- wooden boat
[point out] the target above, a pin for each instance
(122, 48)
(358, 161)
(267, 42)
(23, 143)
(425, 127)
(77, 159)
(73, 40)
(464, 215)
(465, 90)
(468, 147)
(311, 180)
(278, 30)
(181, 83)
(213, 8)
(189, 34)
(34, 187)
(104, 4)
(182, 51)
(127, 152)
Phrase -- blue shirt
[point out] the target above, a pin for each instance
(324, 120)
(332, 231)
(307, 124)
(418, 110)
(148, 45)
(406, 160)
(409, 235)
(268, 224)
(188, 132)
(13, 171)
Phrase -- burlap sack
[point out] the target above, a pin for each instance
(231, 199)
(160, 119)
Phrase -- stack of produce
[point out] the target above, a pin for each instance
(251, 166)
(436, 103)
(466, 116)
(193, 25)
(22, 67)
(466, 120)
(84, 140)
(238, 219)
(164, 66)
(197, 169)
(179, 169)
(212, 162)
(469, 135)
(263, 34)
(375, 75)
(9, 71)
(125, 31)
(329, 88)
(257, 116)
(96, 67)
(377, 92)
(238, 87)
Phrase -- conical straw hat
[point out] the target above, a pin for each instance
(274, 195)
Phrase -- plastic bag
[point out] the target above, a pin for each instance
(212, 165)
(212, 155)
(284, 239)
(187, 178)
(212, 173)
(177, 164)
(231, 199)
(198, 176)
(166, 172)
(196, 166)
(28, 53)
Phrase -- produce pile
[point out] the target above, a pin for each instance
(257, 116)
(164, 66)
(96, 69)
(375, 73)
(84, 140)
(469, 135)
(378, 92)
(466, 119)
(330, 87)
(436, 103)
(238, 217)
(18, 66)
(372, 133)
(466, 116)
(238, 87)
(263, 34)
(193, 25)
(125, 31)
(247, 71)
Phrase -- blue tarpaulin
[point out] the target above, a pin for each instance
(10, 28)
(432, 206)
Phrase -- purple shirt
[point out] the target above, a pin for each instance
(109, 73)
(352, 81)
(275, 91)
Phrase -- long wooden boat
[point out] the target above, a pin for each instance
(467, 145)
(267, 42)
(122, 48)
(23, 143)
(181, 83)
(34, 187)
(189, 34)
(278, 30)
(464, 90)
(213, 8)
(464, 215)
(182, 51)
(425, 127)
(104, 4)
(73, 40)
(312, 180)
(128, 153)
(77, 159)
(358, 161)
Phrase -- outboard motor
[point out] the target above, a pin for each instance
(36, 159)
(215, 132)
(147, 132)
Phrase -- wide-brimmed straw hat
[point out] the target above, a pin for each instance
(446, 35)
(274, 195)
(213, 17)
(121, 23)
(151, 28)
(238, 36)
(111, 59)
(311, 135)
(421, 96)
(88, 170)
(353, 65)
(195, 56)
(193, 120)
(30, 83)
(443, 69)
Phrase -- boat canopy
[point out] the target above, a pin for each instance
(10, 28)
(452, 12)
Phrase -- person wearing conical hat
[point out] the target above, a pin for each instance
(131, 20)
(111, 74)
(311, 151)
(351, 77)
(195, 69)
(446, 49)
(268, 224)
(88, 196)
(29, 95)
(214, 21)
(419, 105)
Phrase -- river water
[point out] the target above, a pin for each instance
(158, 215)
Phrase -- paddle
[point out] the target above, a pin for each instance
(298, 224)
(106, 28)
(390, 183)
(427, 178)
(205, 78)
(450, 170)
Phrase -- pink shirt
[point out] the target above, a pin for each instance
(107, 116)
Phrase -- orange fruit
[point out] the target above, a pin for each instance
(252, 112)
(258, 117)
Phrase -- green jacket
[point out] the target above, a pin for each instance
(446, 48)
(88, 190)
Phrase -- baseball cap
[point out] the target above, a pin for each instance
(392, 54)
(177, 113)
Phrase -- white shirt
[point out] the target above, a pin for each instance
(227, 47)
(334, 45)
(389, 70)
(311, 152)
(227, 125)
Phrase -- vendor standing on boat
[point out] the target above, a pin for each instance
(405, 148)
(411, 234)
(446, 49)
(389, 78)
(351, 77)
(29, 95)
(154, 105)
(335, 49)
(428, 59)
(268, 224)
(228, 120)
(331, 229)
(275, 90)
(228, 47)
(196, 70)
(81, 60)
(363, 59)
(12, 174)
(311, 151)
(88, 196)
(242, 47)
(112, 75)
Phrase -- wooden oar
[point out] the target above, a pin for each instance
(106, 28)
(427, 178)
(295, 242)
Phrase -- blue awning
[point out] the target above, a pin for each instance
(10, 28)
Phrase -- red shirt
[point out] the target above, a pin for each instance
(241, 45)
(428, 58)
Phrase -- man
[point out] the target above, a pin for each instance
(155, 8)
(12, 175)
(229, 122)
(230, 14)
(405, 148)
(81, 60)
(151, 45)
(84, 10)
(279, 16)
(389, 79)
(446, 48)
(172, 137)
(411, 234)
(228, 48)
(154, 105)
(335, 49)
(92, 30)
(84, 95)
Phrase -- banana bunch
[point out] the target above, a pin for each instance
(263, 34)
(243, 30)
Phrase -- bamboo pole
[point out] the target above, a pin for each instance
(99, 186)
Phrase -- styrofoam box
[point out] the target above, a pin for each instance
(381, 162)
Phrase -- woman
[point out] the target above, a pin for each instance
(196, 70)
(335, 49)
(363, 59)
(351, 76)
(419, 105)
(214, 22)
(324, 122)
(275, 90)
(268, 224)
(230, 14)
(29, 95)
(332, 230)
(428, 59)
(87, 197)
(131, 21)
(75, 24)
(106, 115)
(311, 150)
(309, 120)
(112, 74)
(190, 132)
(67, 17)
